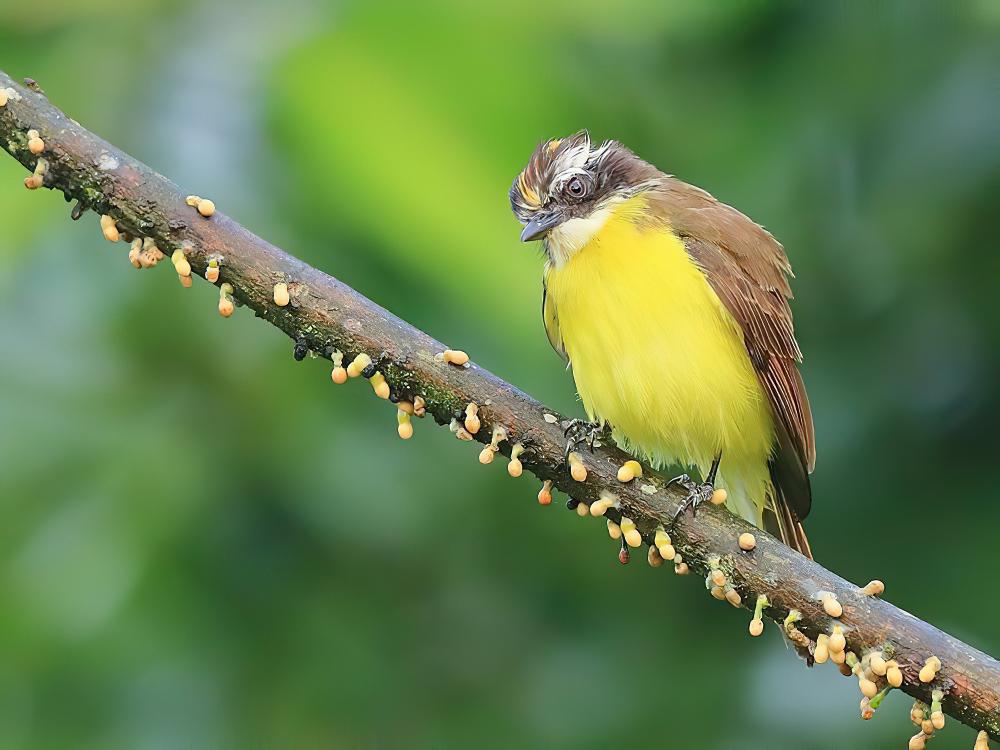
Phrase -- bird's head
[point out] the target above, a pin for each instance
(566, 192)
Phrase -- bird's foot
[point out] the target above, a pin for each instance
(580, 432)
(697, 493)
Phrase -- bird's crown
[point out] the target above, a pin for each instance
(552, 163)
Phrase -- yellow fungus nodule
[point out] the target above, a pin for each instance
(614, 530)
(937, 719)
(226, 306)
(830, 603)
(109, 229)
(930, 669)
(514, 466)
(756, 627)
(632, 536)
(544, 494)
(358, 364)
(837, 641)
(338, 375)
(281, 296)
(629, 470)
(186, 281)
(33, 182)
(719, 496)
(733, 597)
(868, 688)
(212, 273)
(822, 651)
(601, 506)
(893, 674)
(653, 557)
(874, 588)
(205, 207)
(682, 569)
(718, 577)
(459, 431)
(583, 510)
(917, 741)
(3, 97)
(455, 357)
(576, 468)
(747, 541)
(877, 664)
(419, 406)
(472, 422)
(404, 428)
(982, 741)
(180, 262)
(379, 385)
(486, 455)
(35, 143)
(717, 593)
(664, 544)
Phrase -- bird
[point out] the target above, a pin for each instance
(672, 311)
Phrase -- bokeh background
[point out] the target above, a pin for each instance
(206, 544)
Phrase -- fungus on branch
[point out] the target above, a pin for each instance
(332, 317)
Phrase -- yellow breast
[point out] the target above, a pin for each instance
(656, 354)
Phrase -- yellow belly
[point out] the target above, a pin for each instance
(656, 354)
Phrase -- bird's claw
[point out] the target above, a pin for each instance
(579, 431)
(697, 493)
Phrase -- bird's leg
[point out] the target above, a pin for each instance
(697, 493)
(578, 431)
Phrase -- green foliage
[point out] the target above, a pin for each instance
(209, 544)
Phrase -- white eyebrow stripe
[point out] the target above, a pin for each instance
(561, 178)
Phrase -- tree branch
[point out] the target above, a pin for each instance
(328, 317)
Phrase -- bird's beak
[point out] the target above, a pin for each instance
(539, 227)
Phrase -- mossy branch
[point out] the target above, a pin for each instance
(327, 317)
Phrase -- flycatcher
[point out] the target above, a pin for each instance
(672, 310)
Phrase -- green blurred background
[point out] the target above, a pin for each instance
(207, 544)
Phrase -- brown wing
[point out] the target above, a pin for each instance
(749, 272)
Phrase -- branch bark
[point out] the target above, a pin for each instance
(328, 316)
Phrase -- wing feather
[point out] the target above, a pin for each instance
(749, 271)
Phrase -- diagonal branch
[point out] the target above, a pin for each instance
(329, 317)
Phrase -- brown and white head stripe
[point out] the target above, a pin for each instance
(564, 192)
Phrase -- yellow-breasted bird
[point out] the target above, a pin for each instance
(672, 310)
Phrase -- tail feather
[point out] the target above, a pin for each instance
(780, 520)
(791, 497)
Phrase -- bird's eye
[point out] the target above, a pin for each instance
(576, 187)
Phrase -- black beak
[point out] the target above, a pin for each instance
(539, 227)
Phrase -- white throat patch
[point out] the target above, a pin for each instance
(565, 240)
